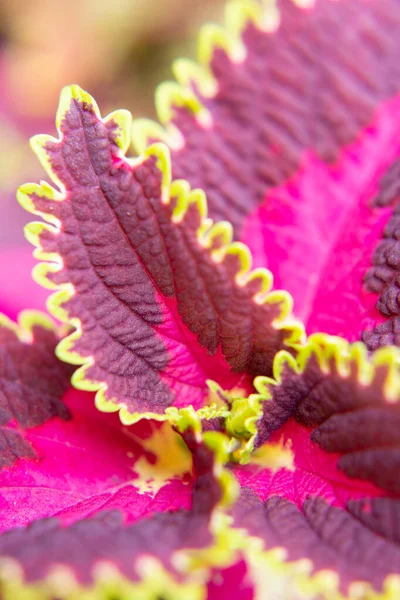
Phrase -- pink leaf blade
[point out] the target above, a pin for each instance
(322, 481)
(291, 129)
(95, 492)
(26, 399)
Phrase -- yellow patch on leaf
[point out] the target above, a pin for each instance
(170, 460)
(274, 456)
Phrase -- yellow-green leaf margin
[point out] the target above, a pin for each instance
(208, 234)
(26, 322)
(190, 74)
(331, 353)
(193, 566)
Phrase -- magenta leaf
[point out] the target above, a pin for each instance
(161, 301)
(79, 491)
(290, 127)
(337, 502)
(119, 527)
(233, 582)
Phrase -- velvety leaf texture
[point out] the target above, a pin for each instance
(160, 301)
(78, 490)
(247, 461)
(337, 413)
(291, 128)
(121, 530)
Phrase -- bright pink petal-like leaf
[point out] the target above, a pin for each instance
(160, 300)
(78, 490)
(292, 130)
(337, 502)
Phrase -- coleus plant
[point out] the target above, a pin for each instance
(246, 459)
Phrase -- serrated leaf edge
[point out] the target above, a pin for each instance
(272, 573)
(191, 75)
(330, 352)
(108, 583)
(192, 566)
(27, 320)
(208, 232)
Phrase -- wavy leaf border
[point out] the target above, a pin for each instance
(242, 422)
(290, 577)
(273, 574)
(192, 566)
(207, 233)
(155, 578)
(27, 320)
(188, 73)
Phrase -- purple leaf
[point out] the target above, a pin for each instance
(291, 129)
(337, 413)
(161, 301)
(26, 399)
(78, 491)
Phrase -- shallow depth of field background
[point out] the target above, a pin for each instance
(116, 49)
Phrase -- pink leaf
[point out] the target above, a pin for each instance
(332, 417)
(78, 490)
(292, 131)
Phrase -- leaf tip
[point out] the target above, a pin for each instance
(69, 93)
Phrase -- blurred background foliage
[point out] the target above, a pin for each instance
(118, 50)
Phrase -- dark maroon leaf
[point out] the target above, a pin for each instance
(159, 299)
(292, 131)
(32, 382)
(338, 503)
